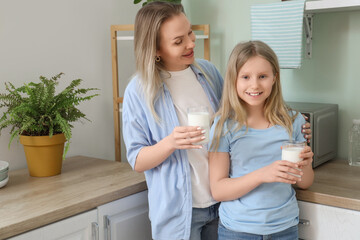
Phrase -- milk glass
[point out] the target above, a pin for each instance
(290, 152)
(199, 116)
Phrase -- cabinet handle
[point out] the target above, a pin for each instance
(304, 222)
(107, 228)
(94, 231)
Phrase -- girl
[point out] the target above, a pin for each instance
(245, 171)
(157, 138)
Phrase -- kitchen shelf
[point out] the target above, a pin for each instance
(323, 6)
(331, 6)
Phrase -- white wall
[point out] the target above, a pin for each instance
(45, 37)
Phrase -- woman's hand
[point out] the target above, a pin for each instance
(279, 171)
(180, 138)
(306, 130)
(184, 137)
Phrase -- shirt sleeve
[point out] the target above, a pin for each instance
(135, 127)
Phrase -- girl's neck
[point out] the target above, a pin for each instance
(256, 118)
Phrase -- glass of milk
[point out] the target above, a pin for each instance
(199, 116)
(291, 151)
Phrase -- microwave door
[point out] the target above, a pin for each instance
(325, 137)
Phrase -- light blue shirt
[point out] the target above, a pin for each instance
(169, 184)
(270, 207)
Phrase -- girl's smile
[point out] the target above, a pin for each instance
(254, 94)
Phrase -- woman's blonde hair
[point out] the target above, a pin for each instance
(232, 107)
(146, 43)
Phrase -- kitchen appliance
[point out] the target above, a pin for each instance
(323, 119)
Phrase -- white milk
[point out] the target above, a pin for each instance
(201, 119)
(291, 154)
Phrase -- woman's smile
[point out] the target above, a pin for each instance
(189, 55)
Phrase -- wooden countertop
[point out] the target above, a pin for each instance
(85, 183)
(336, 184)
(29, 202)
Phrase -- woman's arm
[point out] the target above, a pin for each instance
(224, 188)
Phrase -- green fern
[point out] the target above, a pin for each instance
(35, 109)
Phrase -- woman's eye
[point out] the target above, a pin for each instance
(178, 43)
(191, 32)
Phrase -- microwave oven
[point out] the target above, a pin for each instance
(323, 119)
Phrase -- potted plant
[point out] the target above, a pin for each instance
(42, 119)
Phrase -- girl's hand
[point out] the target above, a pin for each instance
(279, 171)
(183, 137)
(306, 130)
(307, 156)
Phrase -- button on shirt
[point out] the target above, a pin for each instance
(169, 184)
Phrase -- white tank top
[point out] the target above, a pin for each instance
(186, 91)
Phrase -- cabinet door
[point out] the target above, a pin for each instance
(328, 223)
(78, 227)
(125, 219)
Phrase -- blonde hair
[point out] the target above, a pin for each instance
(146, 43)
(232, 107)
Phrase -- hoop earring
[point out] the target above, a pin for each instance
(157, 59)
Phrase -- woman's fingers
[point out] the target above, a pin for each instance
(186, 137)
(306, 130)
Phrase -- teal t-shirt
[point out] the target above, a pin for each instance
(270, 207)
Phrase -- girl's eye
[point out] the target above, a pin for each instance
(245, 77)
(178, 42)
(262, 76)
(191, 32)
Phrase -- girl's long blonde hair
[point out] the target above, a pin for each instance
(232, 107)
(146, 42)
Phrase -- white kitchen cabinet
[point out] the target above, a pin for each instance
(326, 222)
(125, 219)
(79, 227)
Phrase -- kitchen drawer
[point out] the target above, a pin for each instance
(328, 223)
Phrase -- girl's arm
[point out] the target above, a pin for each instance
(306, 166)
(181, 138)
(224, 188)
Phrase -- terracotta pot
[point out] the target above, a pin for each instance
(44, 154)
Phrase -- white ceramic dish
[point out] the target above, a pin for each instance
(4, 182)
(4, 169)
(4, 166)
